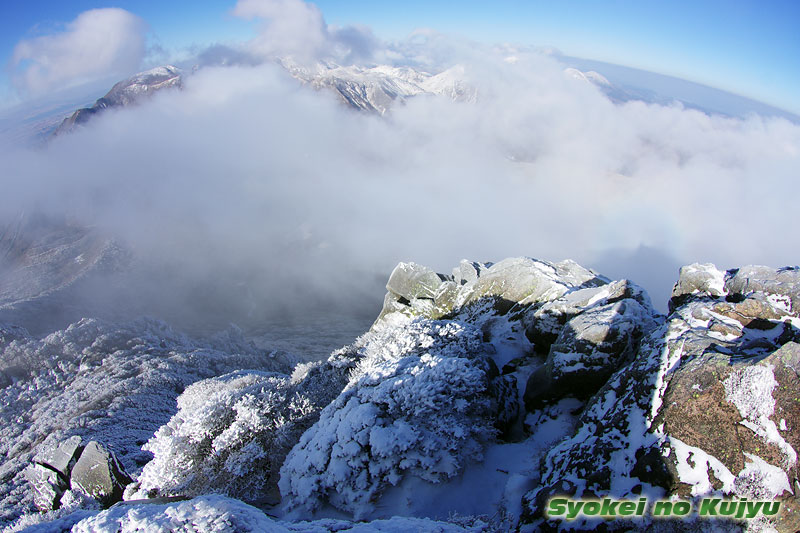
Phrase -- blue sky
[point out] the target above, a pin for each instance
(747, 47)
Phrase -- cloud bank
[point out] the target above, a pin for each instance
(253, 195)
(97, 44)
(297, 29)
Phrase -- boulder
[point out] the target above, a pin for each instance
(445, 299)
(62, 457)
(469, 271)
(589, 348)
(98, 474)
(47, 485)
(50, 471)
(697, 279)
(411, 281)
(523, 280)
(520, 282)
(544, 323)
(782, 285)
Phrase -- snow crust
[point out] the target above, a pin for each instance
(219, 514)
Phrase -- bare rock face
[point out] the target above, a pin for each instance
(98, 474)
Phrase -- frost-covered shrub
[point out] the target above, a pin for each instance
(421, 401)
(113, 383)
(230, 435)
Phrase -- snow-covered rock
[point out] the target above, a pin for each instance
(98, 474)
(512, 283)
(590, 347)
(708, 406)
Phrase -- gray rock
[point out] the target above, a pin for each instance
(98, 474)
(411, 281)
(47, 485)
(590, 347)
(703, 279)
(469, 271)
(445, 299)
(392, 304)
(522, 280)
(63, 457)
(49, 473)
(782, 282)
(544, 323)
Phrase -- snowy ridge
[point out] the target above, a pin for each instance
(125, 93)
(377, 88)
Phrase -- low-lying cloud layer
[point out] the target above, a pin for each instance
(97, 44)
(247, 184)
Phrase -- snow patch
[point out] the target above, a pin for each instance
(694, 465)
(750, 388)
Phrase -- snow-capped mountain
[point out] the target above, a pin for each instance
(125, 93)
(373, 89)
(377, 88)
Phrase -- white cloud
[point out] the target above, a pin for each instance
(97, 44)
(297, 29)
(246, 178)
(289, 27)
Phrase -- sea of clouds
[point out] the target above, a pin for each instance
(266, 194)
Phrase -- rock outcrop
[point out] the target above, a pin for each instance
(708, 406)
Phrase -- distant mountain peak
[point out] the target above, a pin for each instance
(377, 88)
(125, 93)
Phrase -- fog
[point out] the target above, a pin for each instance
(247, 196)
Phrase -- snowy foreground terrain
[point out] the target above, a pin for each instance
(474, 397)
